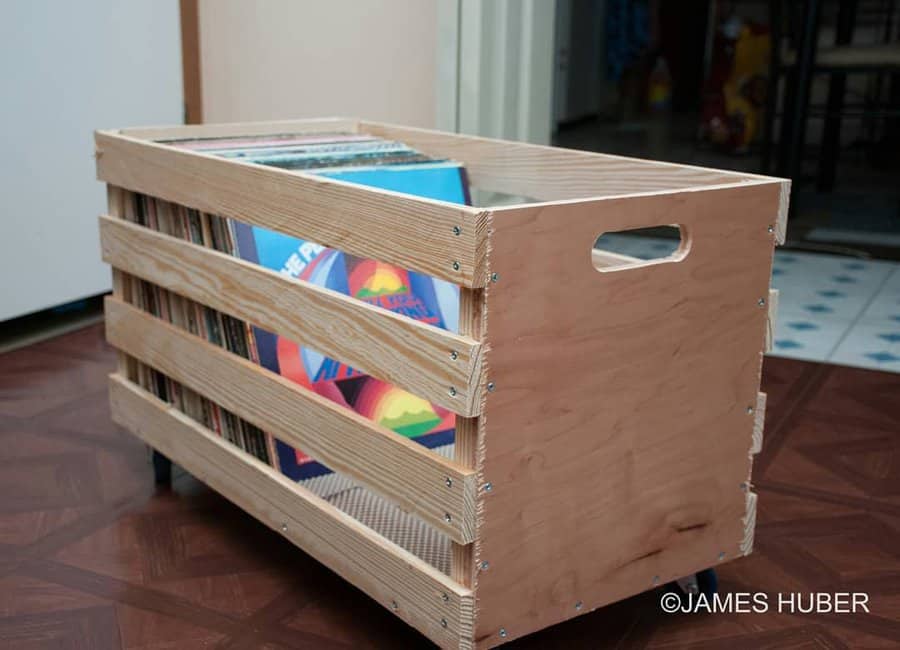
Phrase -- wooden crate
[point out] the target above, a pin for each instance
(607, 416)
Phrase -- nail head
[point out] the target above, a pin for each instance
(485, 565)
(503, 632)
(495, 277)
(452, 391)
(457, 231)
(488, 487)
(455, 266)
(448, 482)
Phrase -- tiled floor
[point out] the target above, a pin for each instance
(830, 308)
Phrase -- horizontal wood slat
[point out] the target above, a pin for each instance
(411, 232)
(386, 572)
(552, 173)
(395, 467)
(400, 350)
(244, 129)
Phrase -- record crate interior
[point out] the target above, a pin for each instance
(549, 426)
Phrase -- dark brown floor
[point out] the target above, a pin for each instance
(91, 557)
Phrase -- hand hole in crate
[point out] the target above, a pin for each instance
(639, 247)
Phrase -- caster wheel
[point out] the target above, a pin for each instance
(162, 469)
(705, 582)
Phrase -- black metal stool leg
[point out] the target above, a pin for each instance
(162, 469)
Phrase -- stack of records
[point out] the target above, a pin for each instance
(353, 158)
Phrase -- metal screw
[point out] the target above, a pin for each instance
(394, 605)
(488, 487)
(485, 565)
(445, 597)
(721, 556)
(579, 605)
(283, 528)
(761, 302)
(458, 231)
(744, 486)
(749, 410)
(452, 391)
(447, 517)
(443, 622)
(503, 632)
(448, 481)
(490, 387)
(455, 265)
(771, 229)
(454, 355)
(495, 277)
(656, 580)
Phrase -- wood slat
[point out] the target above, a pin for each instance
(425, 598)
(242, 129)
(552, 173)
(392, 347)
(395, 467)
(445, 240)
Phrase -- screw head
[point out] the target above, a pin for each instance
(454, 355)
(485, 565)
(490, 387)
(495, 277)
(283, 528)
(447, 517)
(394, 605)
(452, 391)
(771, 229)
(579, 605)
(749, 410)
(455, 265)
(457, 231)
(443, 622)
(488, 487)
(448, 482)
(761, 302)
(744, 487)
(502, 632)
(445, 597)
(721, 556)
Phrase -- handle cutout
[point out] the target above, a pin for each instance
(619, 250)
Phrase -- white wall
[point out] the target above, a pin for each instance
(67, 69)
(282, 59)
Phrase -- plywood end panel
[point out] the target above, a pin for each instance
(617, 435)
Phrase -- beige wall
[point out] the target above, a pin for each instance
(280, 59)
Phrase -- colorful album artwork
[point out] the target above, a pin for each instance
(412, 294)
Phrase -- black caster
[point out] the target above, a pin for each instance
(704, 582)
(162, 469)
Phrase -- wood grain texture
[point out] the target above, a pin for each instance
(617, 436)
(771, 319)
(466, 436)
(759, 420)
(411, 232)
(386, 572)
(405, 352)
(552, 173)
(192, 78)
(240, 129)
(394, 466)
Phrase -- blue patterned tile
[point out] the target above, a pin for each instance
(803, 325)
(882, 357)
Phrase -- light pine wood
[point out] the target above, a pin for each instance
(409, 231)
(121, 283)
(383, 570)
(244, 129)
(759, 420)
(616, 438)
(551, 173)
(749, 524)
(408, 353)
(466, 435)
(771, 319)
(395, 467)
